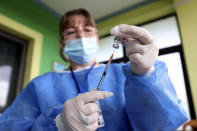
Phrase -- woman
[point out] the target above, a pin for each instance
(136, 96)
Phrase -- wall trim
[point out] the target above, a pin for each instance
(151, 11)
(32, 68)
(181, 2)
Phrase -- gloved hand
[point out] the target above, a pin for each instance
(141, 47)
(81, 112)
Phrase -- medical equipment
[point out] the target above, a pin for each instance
(81, 50)
(117, 41)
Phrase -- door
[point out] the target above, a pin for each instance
(12, 66)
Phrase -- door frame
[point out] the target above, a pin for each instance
(32, 66)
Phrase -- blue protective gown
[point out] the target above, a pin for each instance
(139, 103)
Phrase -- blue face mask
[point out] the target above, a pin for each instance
(81, 50)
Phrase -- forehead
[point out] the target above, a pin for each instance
(77, 20)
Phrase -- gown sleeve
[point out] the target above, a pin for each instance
(24, 114)
(151, 101)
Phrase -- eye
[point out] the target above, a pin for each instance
(89, 29)
(70, 32)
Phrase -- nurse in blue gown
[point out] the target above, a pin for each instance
(137, 96)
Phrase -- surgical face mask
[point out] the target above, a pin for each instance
(81, 50)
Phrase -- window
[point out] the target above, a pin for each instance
(166, 31)
(12, 63)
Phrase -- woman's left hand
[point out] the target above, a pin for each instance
(141, 47)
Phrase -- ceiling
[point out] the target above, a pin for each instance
(99, 9)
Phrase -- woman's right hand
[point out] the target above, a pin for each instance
(81, 112)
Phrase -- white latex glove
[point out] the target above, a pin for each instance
(141, 47)
(81, 112)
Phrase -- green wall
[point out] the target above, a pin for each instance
(29, 14)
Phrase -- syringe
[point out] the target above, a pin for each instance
(117, 41)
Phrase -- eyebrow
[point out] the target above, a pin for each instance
(70, 27)
(74, 27)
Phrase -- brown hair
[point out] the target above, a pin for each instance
(64, 22)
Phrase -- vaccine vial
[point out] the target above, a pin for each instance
(117, 41)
